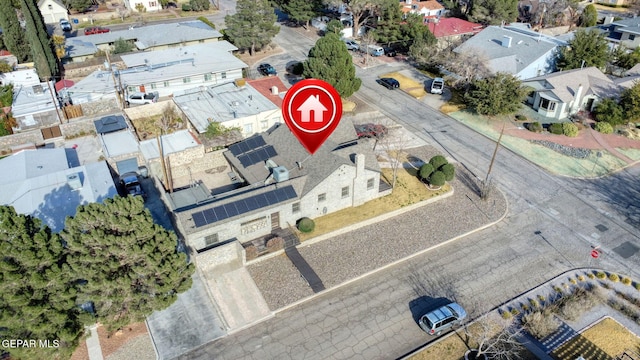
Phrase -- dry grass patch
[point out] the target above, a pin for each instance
(605, 340)
(408, 85)
(409, 190)
(348, 106)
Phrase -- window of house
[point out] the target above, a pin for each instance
(223, 75)
(248, 128)
(345, 192)
(210, 239)
(322, 197)
(50, 7)
(264, 124)
(547, 104)
(153, 4)
(632, 37)
(153, 85)
(370, 183)
(186, 80)
(166, 84)
(295, 207)
(207, 77)
(131, 89)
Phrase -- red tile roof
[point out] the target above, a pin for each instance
(418, 5)
(4, 53)
(264, 85)
(453, 26)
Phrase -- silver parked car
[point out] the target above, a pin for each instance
(442, 319)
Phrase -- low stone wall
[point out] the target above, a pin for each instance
(78, 127)
(191, 160)
(6, 142)
(138, 112)
(100, 107)
(221, 258)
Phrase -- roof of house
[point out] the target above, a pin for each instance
(58, 2)
(446, 27)
(526, 47)
(265, 85)
(419, 5)
(119, 143)
(110, 123)
(224, 102)
(98, 82)
(33, 99)
(563, 85)
(144, 37)
(179, 62)
(171, 143)
(37, 184)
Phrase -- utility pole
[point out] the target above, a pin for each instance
(484, 192)
(115, 83)
(56, 102)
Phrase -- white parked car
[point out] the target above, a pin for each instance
(142, 98)
(352, 45)
(65, 25)
(437, 86)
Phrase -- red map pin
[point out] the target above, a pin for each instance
(312, 109)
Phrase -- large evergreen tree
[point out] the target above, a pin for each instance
(389, 28)
(127, 265)
(252, 26)
(589, 16)
(42, 49)
(499, 94)
(13, 35)
(630, 101)
(494, 12)
(329, 60)
(37, 295)
(588, 46)
(302, 10)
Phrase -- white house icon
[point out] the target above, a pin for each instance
(312, 104)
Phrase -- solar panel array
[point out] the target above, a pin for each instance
(247, 145)
(252, 151)
(240, 207)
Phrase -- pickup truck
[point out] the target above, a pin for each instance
(142, 98)
(132, 185)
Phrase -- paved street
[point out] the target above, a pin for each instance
(550, 228)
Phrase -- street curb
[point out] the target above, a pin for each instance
(399, 261)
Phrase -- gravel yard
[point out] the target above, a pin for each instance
(355, 253)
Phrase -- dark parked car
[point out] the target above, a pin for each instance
(442, 319)
(370, 130)
(389, 51)
(95, 30)
(266, 70)
(171, 5)
(389, 83)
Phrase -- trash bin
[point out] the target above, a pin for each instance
(75, 21)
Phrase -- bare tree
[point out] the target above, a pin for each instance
(468, 65)
(491, 336)
(395, 151)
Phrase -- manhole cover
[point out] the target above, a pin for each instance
(626, 249)
(602, 227)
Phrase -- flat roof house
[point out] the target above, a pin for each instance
(283, 184)
(50, 184)
(521, 52)
(35, 106)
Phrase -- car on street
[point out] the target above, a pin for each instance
(96, 30)
(266, 69)
(389, 83)
(142, 98)
(352, 45)
(65, 25)
(389, 51)
(442, 319)
(437, 86)
(370, 130)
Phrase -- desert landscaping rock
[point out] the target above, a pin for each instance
(564, 150)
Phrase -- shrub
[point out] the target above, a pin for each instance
(591, 276)
(506, 315)
(449, 171)
(425, 171)
(626, 281)
(573, 281)
(540, 323)
(534, 303)
(437, 161)
(186, 7)
(199, 5)
(437, 178)
(558, 289)
(541, 298)
(515, 312)
(275, 244)
(580, 277)
(207, 21)
(524, 307)
(306, 225)
(601, 275)
(569, 129)
(251, 252)
(604, 127)
(614, 277)
(637, 286)
(521, 117)
(534, 126)
(555, 128)
(574, 305)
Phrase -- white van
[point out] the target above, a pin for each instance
(375, 50)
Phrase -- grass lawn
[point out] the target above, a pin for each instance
(630, 153)
(604, 340)
(149, 127)
(408, 85)
(409, 190)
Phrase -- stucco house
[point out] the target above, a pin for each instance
(449, 31)
(52, 11)
(624, 32)
(562, 94)
(521, 52)
(283, 183)
(146, 5)
(35, 106)
(428, 9)
(232, 104)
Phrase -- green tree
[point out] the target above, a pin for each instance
(121, 46)
(630, 101)
(438, 161)
(604, 127)
(362, 11)
(499, 94)
(78, 5)
(449, 171)
(494, 12)
(334, 26)
(589, 16)
(588, 46)
(42, 50)
(37, 295)
(425, 171)
(389, 27)
(5, 67)
(128, 266)
(252, 26)
(199, 5)
(608, 110)
(302, 11)
(625, 58)
(437, 178)
(13, 35)
(329, 60)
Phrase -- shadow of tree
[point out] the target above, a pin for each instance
(57, 205)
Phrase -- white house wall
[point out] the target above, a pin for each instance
(54, 14)
(166, 87)
(258, 123)
(537, 68)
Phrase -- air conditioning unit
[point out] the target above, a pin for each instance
(280, 174)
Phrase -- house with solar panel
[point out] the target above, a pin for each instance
(281, 183)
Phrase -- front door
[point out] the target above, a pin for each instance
(275, 220)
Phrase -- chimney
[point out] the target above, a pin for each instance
(359, 165)
(506, 41)
(74, 181)
(274, 90)
(577, 99)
